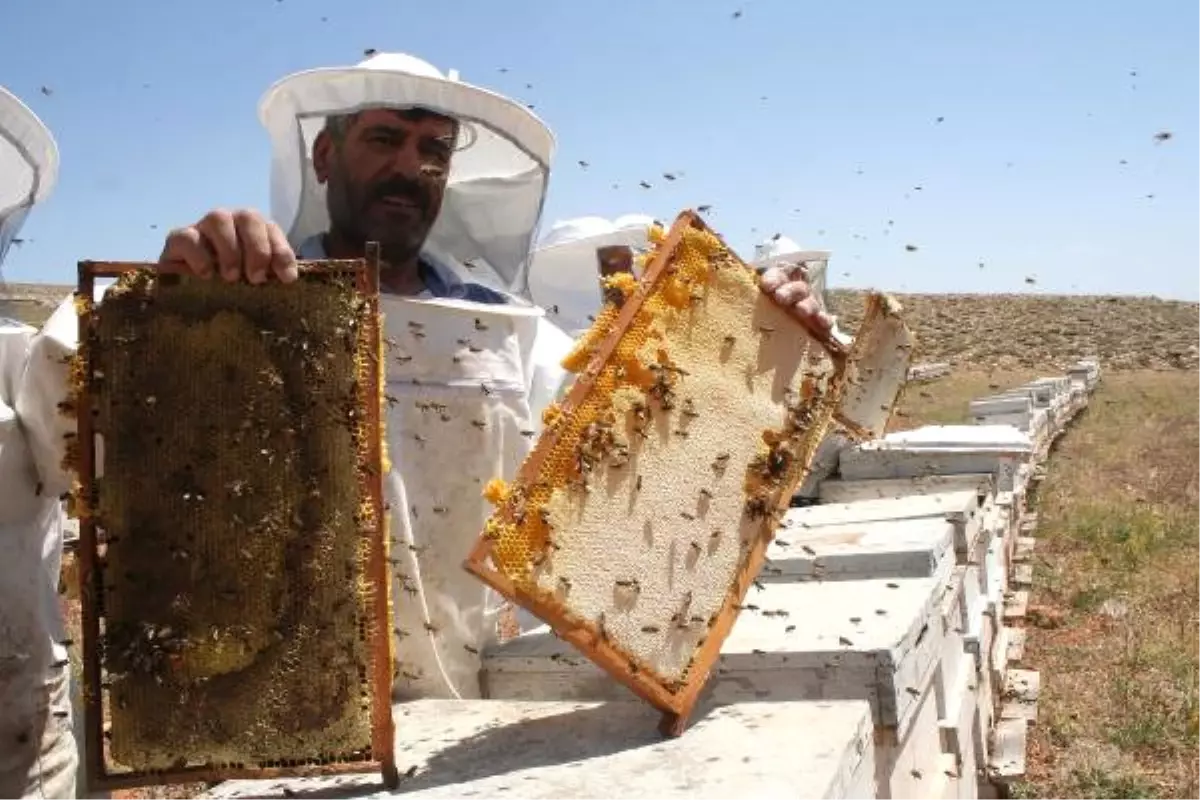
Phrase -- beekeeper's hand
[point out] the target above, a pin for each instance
(239, 244)
(788, 286)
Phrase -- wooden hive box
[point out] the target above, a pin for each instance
(233, 548)
(642, 516)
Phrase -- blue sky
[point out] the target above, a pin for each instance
(812, 119)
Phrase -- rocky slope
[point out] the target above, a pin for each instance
(1040, 331)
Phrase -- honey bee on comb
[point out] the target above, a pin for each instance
(286, 608)
(720, 435)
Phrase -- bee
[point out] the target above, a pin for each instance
(729, 341)
(419, 438)
(479, 325)
(638, 484)
(706, 494)
(483, 387)
(478, 423)
(631, 583)
(430, 627)
(689, 408)
(695, 548)
(758, 585)
(650, 629)
(444, 417)
(528, 434)
(440, 509)
(808, 550)
(766, 329)
(756, 508)
(789, 629)
(682, 433)
(472, 650)
(686, 515)
(463, 342)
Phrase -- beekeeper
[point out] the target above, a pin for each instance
(38, 754)
(566, 268)
(450, 179)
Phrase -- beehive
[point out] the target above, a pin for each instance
(642, 516)
(233, 542)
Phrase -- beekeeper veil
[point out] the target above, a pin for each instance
(564, 276)
(28, 166)
(498, 173)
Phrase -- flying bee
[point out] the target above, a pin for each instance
(686, 515)
(479, 325)
(483, 387)
(650, 629)
(478, 423)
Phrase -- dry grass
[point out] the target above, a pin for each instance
(1116, 573)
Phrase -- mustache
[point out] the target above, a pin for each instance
(400, 186)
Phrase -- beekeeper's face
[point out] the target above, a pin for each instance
(385, 174)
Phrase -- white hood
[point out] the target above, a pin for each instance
(497, 178)
(564, 277)
(28, 165)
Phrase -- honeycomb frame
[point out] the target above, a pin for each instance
(523, 503)
(365, 534)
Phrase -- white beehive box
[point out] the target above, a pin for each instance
(940, 450)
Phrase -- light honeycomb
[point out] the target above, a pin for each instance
(637, 522)
(234, 495)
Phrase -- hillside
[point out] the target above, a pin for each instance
(984, 331)
(1044, 331)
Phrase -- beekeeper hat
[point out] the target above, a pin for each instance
(782, 250)
(564, 276)
(28, 165)
(498, 174)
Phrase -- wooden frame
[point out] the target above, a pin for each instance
(676, 706)
(377, 572)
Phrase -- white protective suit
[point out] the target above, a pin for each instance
(493, 389)
(564, 276)
(38, 754)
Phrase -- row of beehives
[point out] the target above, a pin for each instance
(871, 658)
(891, 590)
